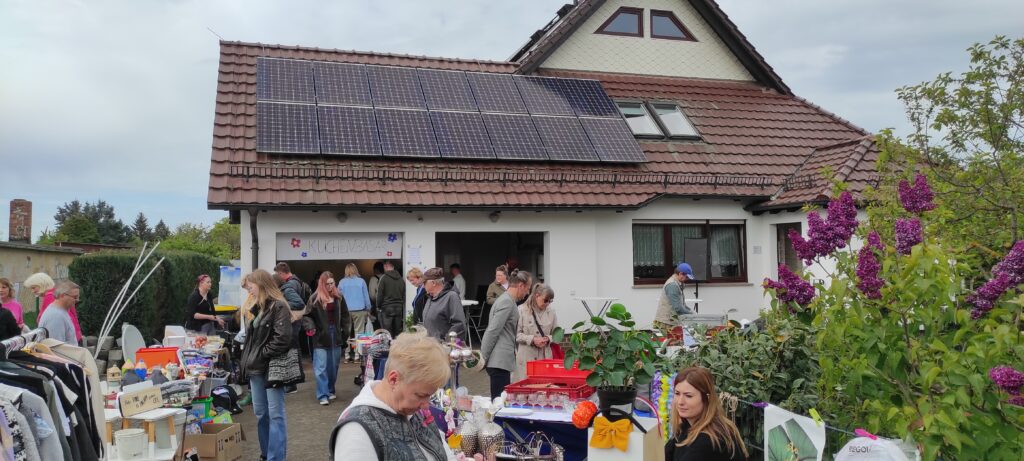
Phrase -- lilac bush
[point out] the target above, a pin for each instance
(790, 287)
(1006, 274)
(916, 198)
(868, 268)
(908, 234)
(1010, 380)
(825, 235)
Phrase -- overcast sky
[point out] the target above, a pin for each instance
(114, 100)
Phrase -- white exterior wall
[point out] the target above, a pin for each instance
(585, 254)
(708, 57)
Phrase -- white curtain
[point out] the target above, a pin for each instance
(680, 233)
(725, 251)
(648, 246)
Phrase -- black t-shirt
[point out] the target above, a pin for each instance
(701, 450)
(198, 305)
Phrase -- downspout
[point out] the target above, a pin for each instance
(255, 238)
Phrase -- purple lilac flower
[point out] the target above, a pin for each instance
(791, 287)
(1007, 378)
(867, 272)
(1007, 274)
(1018, 400)
(916, 198)
(827, 235)
(908, 234)
(875, 241)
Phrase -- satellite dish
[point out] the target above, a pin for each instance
(131, 341)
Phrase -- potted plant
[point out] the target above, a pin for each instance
(619, 356)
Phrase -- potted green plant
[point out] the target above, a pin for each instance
(619, 356)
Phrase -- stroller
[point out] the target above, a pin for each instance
(373, 350)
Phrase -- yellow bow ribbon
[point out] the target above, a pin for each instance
(608, 434)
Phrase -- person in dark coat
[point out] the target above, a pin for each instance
(201, 316)
(326, 307)
(391, 300)
(415, 277)
(701, 431)
(268, 335)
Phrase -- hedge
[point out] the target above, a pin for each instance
(161, 301)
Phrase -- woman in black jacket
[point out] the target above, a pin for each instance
(201, 316)
(268, 335)
(331, 323)
(701, 431)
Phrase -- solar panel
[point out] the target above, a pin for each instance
(286, 128)
(613, 140)
(496, 93)
(338, 83)
(348, 131)
(587, 98)
(406, 133)
(514, 137)
(461, 135)
(446, 90)
(543, 96)
(395, 87)
(284, 80)
(565, 139)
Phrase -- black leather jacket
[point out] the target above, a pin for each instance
(269, 337)
(342, 326)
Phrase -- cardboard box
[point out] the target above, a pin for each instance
(218, 442)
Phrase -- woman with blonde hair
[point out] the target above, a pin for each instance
(536, 320)
(42, 287)
(357, 298)
(700, 429)
(268, 336)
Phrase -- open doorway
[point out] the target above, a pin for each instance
(785, 254)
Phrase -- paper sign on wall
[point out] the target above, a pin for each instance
(338, 245)
(790, 437)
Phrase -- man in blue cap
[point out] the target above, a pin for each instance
(671, 304)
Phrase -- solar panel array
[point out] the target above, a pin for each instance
(312, 107)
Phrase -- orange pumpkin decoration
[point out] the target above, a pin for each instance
(585, 412)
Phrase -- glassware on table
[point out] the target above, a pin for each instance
(521, 399)
(542, 400)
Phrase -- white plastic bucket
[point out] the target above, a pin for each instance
(130, 443)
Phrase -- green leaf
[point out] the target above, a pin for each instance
(577, 325)
(618, 309)
(617, 378)
(594, 380)
(587, 363)
(805, 449)
(598, 321)
(570, 360)
(557, 335)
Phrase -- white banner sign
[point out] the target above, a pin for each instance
(349, 245)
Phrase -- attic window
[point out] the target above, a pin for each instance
(639, 119)
(665, 24)
(675, 122)
(626, 21)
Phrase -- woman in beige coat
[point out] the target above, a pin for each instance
(536, 320)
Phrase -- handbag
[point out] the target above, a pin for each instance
(285, 369)
(556, 349)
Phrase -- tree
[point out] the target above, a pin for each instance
(969, 138)
(223, 232)
(161, 231)
(110, 230)
(196, 237)
(78, 228)
(141, 228)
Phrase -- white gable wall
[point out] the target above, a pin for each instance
(585, 254)
(708, 57)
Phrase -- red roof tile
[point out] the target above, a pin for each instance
(851, 161)
(754, 139)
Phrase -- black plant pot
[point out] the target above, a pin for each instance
(617, 397)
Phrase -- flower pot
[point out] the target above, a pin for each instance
(620, 398)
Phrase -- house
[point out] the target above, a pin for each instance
(729, 157)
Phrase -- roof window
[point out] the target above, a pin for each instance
(665, 24)
(639, 119)
(625, 21)
(675, 122)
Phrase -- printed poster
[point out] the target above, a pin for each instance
(791, 437)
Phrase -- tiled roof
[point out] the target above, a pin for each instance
(753, 140)
(850, 161)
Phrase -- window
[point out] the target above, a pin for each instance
(626, 21)
(715, 249)
(665, 24)
(784, 246)
(639, 119)
(675, 122)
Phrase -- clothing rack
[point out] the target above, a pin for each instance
(19, 342)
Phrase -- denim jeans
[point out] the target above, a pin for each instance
(271, 423)
(325, 366)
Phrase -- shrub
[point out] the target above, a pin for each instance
(161, 301)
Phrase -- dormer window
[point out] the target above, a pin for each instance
(626, 21)
(665, 24)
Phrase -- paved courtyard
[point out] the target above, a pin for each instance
(310, 424)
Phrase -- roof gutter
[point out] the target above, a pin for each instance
(253, 212)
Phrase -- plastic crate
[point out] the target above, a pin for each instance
(154, 356)
(575, 388)
(554, 368)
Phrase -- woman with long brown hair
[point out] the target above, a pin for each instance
(700, 429)
(268, 336)
(331, 321)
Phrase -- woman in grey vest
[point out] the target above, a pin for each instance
(385, 422)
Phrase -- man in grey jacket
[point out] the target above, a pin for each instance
(498, 345)
(443, 311)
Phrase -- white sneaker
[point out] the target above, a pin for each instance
(332, 397)
(325, 402)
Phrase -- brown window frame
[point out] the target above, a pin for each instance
(624, 9)
(669, 265)
(689, 37)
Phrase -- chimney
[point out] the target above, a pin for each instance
(21, 221)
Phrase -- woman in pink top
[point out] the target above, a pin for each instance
(42, 286)
(9, 302)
